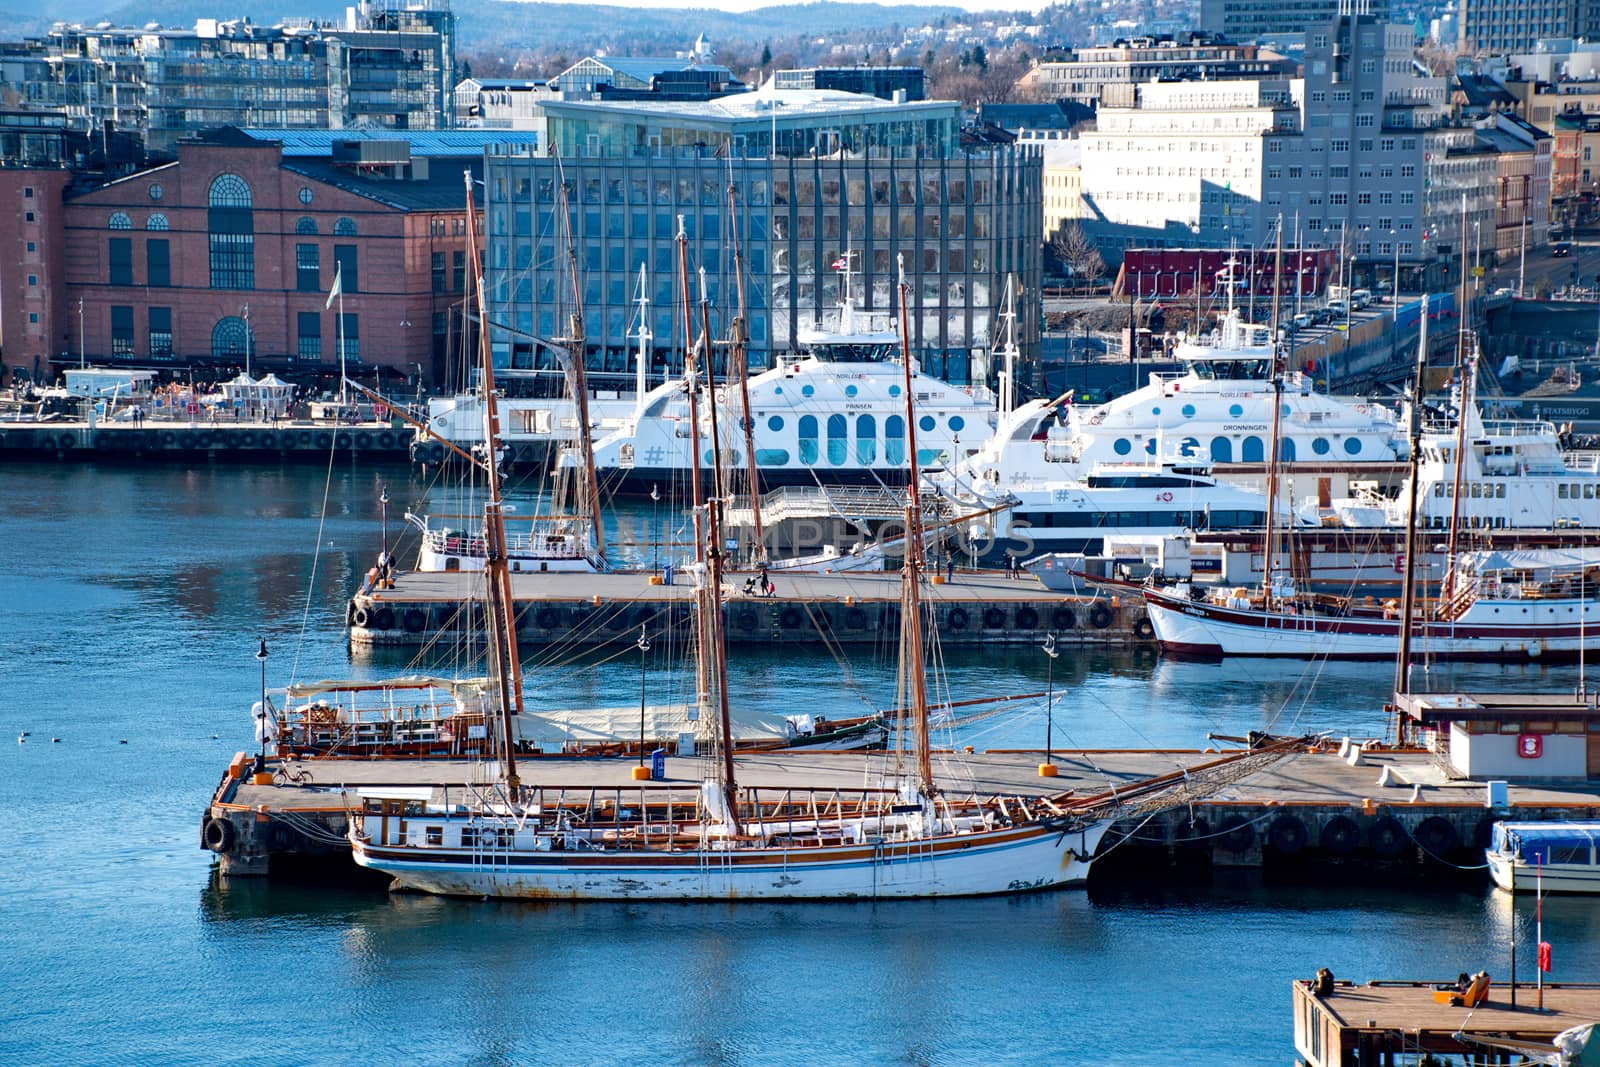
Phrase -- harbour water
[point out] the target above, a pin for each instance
(132, 599)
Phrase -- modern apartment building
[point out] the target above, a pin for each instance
(822, 180)
(387, 65)
(1249, 20)
(1109, 75)
(1501, 27)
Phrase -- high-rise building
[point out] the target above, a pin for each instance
(1247, 20)
(1503, 26)
(1109, 74)
(823, 181)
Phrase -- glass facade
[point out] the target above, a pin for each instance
(958, 222)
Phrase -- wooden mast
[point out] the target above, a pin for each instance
(696, 500)
(1468, 373)
(738, 337)
(911, 573)
(1402, 670)
(717, 646)
(577, 375)
(1275, 440)
(505, 661)
(717, 480)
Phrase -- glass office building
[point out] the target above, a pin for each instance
(854, 179)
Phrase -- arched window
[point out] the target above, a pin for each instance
(157, 222)
(344, 228)
(229, 190)
(1253, 451)
(305, 226)
(838, 440)
(1286, 450)
(866, 440)
(894, 440)
(232, 227)
(808, 439)
(120, 221)
(1221, 450)
(230, 338)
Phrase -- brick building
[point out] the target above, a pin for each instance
(227, 256)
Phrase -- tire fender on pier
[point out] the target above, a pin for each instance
(1144, 629)
(1237, 833)
(994, 619)
(1340, 835)
(1387, 837)
(1099, 616)
(1437, 835)
(217, 835)
(1288, 835)
(1063, 618)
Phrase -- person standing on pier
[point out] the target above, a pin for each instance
(950, 568)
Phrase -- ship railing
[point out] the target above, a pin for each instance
(1584, 462)
(1517, 428)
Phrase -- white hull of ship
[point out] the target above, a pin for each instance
(1551, 878)
(1016, 860)
(1212, 630)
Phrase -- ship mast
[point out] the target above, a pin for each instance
(577, 377)
(696, 501)
(714, 646)
(1274, 441)
(505, 662)
(738, 338)
(717, 480)
(1408, 596)
(911, 657)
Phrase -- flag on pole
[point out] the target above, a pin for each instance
(338, 286)
(842, 263)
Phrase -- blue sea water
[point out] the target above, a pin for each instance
(132, 599)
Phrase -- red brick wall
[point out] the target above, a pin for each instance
(32, 301)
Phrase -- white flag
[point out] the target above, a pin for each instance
(338, 286)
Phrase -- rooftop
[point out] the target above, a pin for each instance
(764, 104)
(446, 144)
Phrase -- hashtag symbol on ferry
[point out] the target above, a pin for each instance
(654, 456)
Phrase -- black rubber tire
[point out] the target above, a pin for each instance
(217, 835)
(1387, 837)
(1144, 629)
(324, 440)
(383, 619)
(994, 619)
(67, 442)
(360, 618)
(957, 619)
(386, 440)
(1099, 616)
(1437, 835)
(1340, 835)
(1236, 833)
(822, 621)
(547, 618)
(1027, 619)
(745, 620)
(855, 619)
(247, 439)
(1063, 619)
(363, 441)
(618, 619)
(790, 619)
(341, 442)
(415, 620)
(168, 439)
(1288, 835)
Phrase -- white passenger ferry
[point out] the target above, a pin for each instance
(1558, 855)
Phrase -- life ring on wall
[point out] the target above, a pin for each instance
(1165, 498)
(1097, 418)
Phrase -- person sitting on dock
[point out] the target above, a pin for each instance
(1322, 986)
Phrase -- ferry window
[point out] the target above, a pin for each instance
(894, 440)
(894, 390)
(775, 423)
(807, 390)
(1352, 445)
(926, 423)
(838, 440)
(1188, 411)
(1221, 450)
(1561, 491)
(1588, 492)
(1236, 410)
(1319, 445)
(851, 390)
(866, 440)
(1286, 450)
(1252, 451)
(1122, 446)
(808, 439)
(772, 457)
(1438, 489)
(957, 423)
(435, 835)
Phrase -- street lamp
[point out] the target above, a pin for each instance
(1048, 769)
(1394, 235)
(640, 773)
(261, 708)
(80, 334)
(1522, 260)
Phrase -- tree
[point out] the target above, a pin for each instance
(766, 55)
(1074, 248)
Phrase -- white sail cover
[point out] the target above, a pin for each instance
(548, 729)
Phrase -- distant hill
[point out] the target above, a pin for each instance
(581, 28)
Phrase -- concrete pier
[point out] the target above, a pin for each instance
(982, 607)
(1307, 809)
(224, 439)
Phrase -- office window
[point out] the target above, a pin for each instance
(231, 227)
(350, 337)
(160, 333)
(307, 268)
(344, 258)
(121, 330)
(308, 348)
(230, 338)
(157, 262)
(121, 261)
(458, 271)
(438, 272)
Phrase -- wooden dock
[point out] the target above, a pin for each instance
(979, 607)
(224, 439)
(1307, 809)
(1400, 1022)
